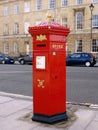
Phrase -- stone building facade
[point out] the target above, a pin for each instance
(17, 15)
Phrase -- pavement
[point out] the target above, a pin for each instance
(96, 64)
(16, 112)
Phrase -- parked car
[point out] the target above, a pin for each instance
(6, 59)
(81, 58)
(27, 59)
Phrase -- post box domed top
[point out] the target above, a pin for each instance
(49, 27)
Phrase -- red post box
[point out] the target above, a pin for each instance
(49, 72)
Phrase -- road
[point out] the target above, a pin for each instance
(82, 82)
(16, 79)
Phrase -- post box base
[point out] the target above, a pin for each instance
(50, 119)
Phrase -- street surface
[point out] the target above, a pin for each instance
(16, 79)
(82, 82)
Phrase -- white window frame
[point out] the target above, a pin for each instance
(38, 4)
(16, 28)
(16, 8)
(79, 20)
(95, 21)
(79, 2)
(16, 48)
(6, 10)
(27, 7)
(51, 4)
(64, 3)
(79, 45)
(26, 25)
(64, 21)
(6, 29)
(94, 1)
(95, 45)
(27, 48)
(6, 48)
(38, 22)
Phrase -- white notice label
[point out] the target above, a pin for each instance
(40, 62)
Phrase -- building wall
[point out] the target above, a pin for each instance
(34, 16)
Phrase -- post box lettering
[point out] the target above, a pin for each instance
(57, 46)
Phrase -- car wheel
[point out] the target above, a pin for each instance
(87, 64)
(3, 62)
(22, 62)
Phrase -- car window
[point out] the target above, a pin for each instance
(85, 55)
(1, 56)
(76, 56)
(30, 55)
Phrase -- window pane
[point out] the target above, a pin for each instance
(79, 2)
(27, 7)
(15, 48)
(79, 20)
(6, 48)
(26, 25)
(64, 22)
(64, 3)
(51, 4)
(38, 22)
(95, 1)
(79, 46)
(16, 28)
(38, 4)
(6, 29)
(95, 45)
(16, 9)
(95, 21)
(6, 10)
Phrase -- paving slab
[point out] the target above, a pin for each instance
(96, 118)
(5, 99)
(13, 106)
(92, 126)
(13, 122)
(84, 117)
(16, 114)
(46, 128)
